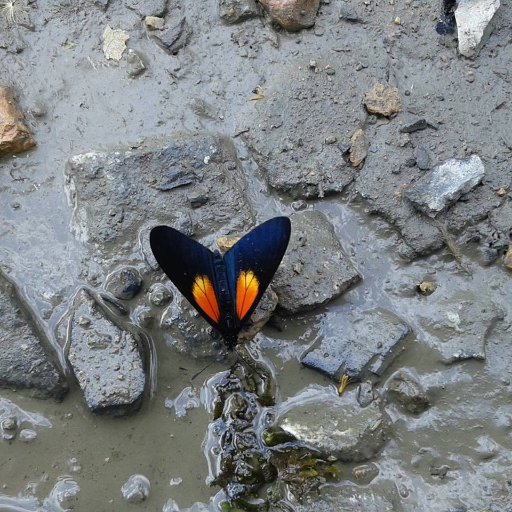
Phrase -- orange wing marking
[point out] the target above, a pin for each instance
(204, 295)
(247, 287)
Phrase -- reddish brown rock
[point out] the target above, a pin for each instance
(14, 135)
(292, 15)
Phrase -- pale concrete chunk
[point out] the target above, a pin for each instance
(474, 24)
(443, 186)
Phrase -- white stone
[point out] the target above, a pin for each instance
(474, 25)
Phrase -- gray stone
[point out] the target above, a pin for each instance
(124, 283)
(443, 186)
(173, 37)
(405, 389)
(152, 185)
(351, 498)
(148, 7)
(315, 268)
(415, 125)
(136, 489)
(27, 435)
(105, 358)
(364, 345)
(474, 24)
(160, 295)
(24, 361)
(136, 65)
(458, 325)
(235, 11)
(422, 158)
(335, 425)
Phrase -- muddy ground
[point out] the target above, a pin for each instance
(213, 127)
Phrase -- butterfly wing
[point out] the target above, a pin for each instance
(191, 267)
(252, 262)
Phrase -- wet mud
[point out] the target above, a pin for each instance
(211, 121)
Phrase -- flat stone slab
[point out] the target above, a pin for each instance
(286, 132)
(119, 192)
(458, 325)
(315, 269)
(335, 425)
(23, 360)
(106, 359)
(439, 188)
(363, 345)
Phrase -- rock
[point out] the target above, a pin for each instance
(333, 425)
(160, 295)
(292, 15)
(414, 126)
(114, 43)
(358, 148)
(24, 362)
(487, 448)
(105, 358)
(235, 11)
(124, 283)
(474, 24)
(136, 489)
(383, 100)
(290, 149)
(27, 435)
(404, 389)
(365, 473)
(148, 7)
(437, 190)
(315, 268)
(422, 158)
(349, 497)
(154, 22)
(364, 345)
(152, 185)
(458, 325)
(426, 287)
(136, 65)
(173, 38)
(14, 135)
(446, 24)
(507, 260)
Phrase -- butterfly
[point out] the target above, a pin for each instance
(225, 290)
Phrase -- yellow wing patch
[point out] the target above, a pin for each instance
(204, 295)
(247, 287)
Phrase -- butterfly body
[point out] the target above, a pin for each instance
(225, 290)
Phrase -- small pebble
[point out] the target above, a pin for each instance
(8, 424)
(159, 295)
(124, 283)
(299, 205)
(136, 489)
(27, 436)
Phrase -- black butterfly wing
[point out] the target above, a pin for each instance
(191, 267)
(252, 262)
